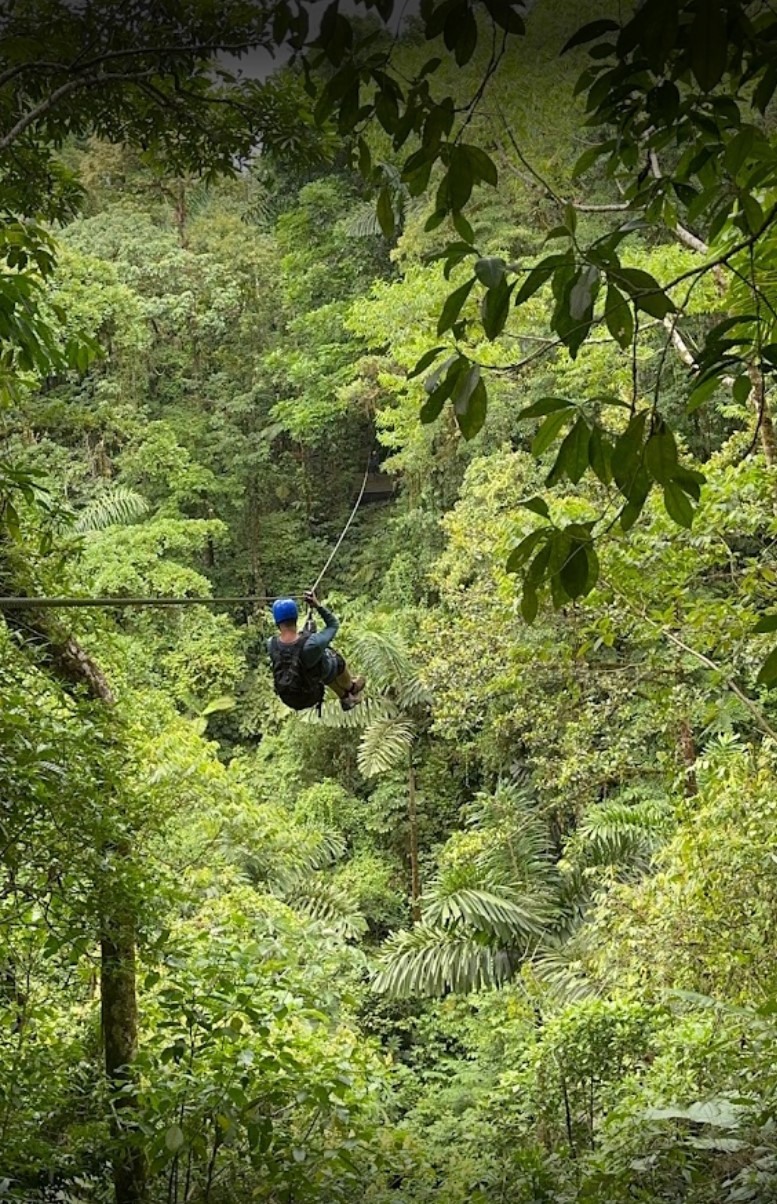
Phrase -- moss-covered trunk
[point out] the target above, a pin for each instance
(119, 1010)
(55, 650)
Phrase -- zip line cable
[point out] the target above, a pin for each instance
(346, 528)
(25, 603)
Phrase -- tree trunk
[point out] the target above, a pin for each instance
(688, 752)
(304, 464)
(415, 876)
(56, 650)
(53, 648)
(119, 1015)
(181, 214)
(763, 416)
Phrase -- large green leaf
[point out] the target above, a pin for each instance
(709, 47)
(678, 505)
(490, 271)
(495, 308)
(470, 405)
(572, 459)
(550, 428)
(590, 33)
(453, 306)
(661, 455)
(619, 318)
(645, 291)
(768, 672)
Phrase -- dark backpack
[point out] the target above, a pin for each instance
(294, 684)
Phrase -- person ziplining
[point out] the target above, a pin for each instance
(304, 663)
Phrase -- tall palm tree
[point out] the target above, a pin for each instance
(495, 897)
(498, 898)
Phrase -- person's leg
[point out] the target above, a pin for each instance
(343, 681)
(340, 680)
(338, 688)
(336, 675)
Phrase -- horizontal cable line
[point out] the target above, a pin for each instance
(24, 603)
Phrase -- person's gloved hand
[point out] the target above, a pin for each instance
(311, 599)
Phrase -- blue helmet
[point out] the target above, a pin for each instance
(284, 610)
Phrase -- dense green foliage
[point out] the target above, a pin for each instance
(506, 932)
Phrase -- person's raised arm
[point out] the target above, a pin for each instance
(322, 639)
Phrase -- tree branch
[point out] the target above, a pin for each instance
(612, 207)
(754, 710)
(20, 68)
(72, 85)
(704, 660)
(550, 191)
(195, 49)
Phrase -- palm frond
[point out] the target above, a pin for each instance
(412, 692)
(363, 222)
(385, 744)
(327, 845)
(307, 850)
(368, 711)
(509, 803)
(328, 904)
(283, 854)
(564, 981)
(619, 832)
(198, 196)
(513, 846)
(430, 960)
(494, 900)
(500, 913)
(383, 657)
(112, 508)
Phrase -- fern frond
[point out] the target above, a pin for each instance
(430, 960)
(385, 744)
(116, 507)
(327, 904)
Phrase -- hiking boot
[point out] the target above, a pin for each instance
(358, 685)
(349, 702)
